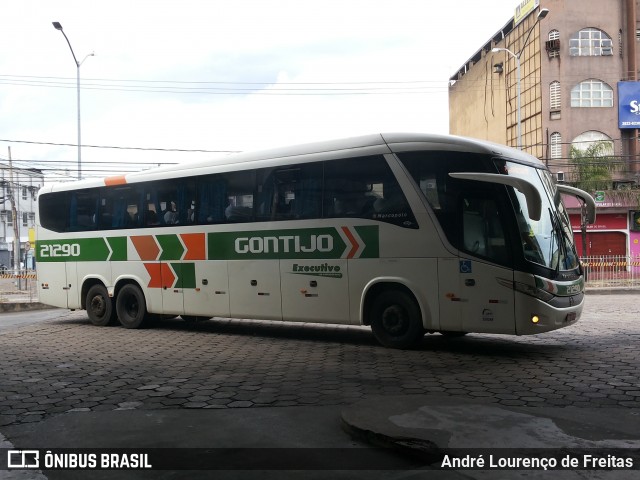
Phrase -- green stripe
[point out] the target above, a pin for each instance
(371, 239)
(119, 248)
(77, 250)
(304, 243)
(186, 273)
(171, 247)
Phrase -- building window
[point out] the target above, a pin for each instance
(592, 93)
(554, 96)
(553, 44)
(8, 217)
(24, 193)
(556, 145)
(592, 137)
(590, 42)
(25, 219)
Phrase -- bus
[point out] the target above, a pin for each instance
(406, 233)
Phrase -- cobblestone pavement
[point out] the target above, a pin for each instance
(66, 364)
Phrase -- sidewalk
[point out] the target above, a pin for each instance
(420, 423)
(418, 434)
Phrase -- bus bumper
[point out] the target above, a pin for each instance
(537, 316)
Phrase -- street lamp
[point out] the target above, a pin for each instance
(541, 14)
(58, 26)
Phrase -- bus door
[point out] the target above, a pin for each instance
(254, 289)
(173, 275)
(315, 290)
(208, 294)
(475, 292)
(73, 292)
(52, 281)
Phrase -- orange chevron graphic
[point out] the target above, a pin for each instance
(168, 278)
(146, 247)
(196, 246)
(354, 243)
(153, 269)
(161, 275)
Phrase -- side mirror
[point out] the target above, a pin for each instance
(585, 197)
(530, 192)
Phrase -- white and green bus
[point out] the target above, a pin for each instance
(407, 233)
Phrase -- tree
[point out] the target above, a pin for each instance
(595, 165)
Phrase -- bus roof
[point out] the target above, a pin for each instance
(340, 148)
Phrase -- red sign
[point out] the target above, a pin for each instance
(604, 221)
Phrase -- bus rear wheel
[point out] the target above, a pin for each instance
(396, 321)
(100, 306)
(131, 306)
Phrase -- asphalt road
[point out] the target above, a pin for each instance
(63, 365)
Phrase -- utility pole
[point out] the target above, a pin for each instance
(16, 228)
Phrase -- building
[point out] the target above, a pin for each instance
(18, 187)
(571, 67)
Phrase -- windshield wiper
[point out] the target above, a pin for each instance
(558, 236)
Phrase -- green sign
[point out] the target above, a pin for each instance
(82, 249)
(306, 243)
(309, 243)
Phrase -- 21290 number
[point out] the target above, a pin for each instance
(60, 250)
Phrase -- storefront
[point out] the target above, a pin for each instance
(616, 231)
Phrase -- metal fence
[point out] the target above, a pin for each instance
(612, 271)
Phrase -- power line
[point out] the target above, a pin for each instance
(154, 149)
(233, 88)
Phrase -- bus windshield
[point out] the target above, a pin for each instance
(548, 241)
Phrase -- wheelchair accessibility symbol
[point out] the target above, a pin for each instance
(465, 266)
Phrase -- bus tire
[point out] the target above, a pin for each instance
(131, 306)
(100, 306)
(396, 321)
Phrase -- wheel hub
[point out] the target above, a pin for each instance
(98, 305)
(394, 319)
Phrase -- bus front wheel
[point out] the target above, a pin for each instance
(395, 320)
(131, 307)
(100, 306)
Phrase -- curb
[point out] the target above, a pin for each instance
(612, 291)
(23, 307)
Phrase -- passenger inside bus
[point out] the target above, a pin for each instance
(171, 215)
(151, 218)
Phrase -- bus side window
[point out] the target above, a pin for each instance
(482, 232)
(54, 211)
(83, 210)
(240, 196)
(291, 192)
(212, 200)
(365, 187)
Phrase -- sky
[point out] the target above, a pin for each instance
(189, 80)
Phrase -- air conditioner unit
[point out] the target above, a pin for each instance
(552, 45)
